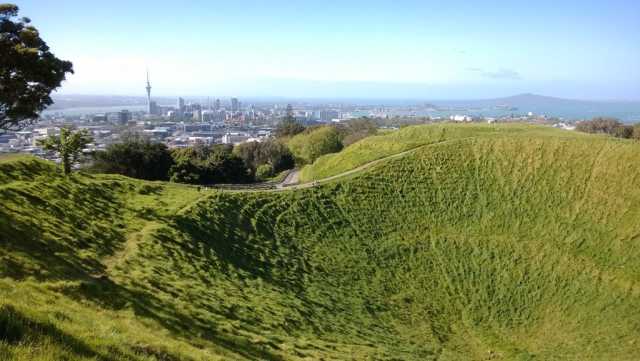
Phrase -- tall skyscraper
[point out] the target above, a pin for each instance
(180, 108)
(235, 106)
(217, 106)
(150, 109)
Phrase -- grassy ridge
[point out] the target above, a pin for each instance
(390, 143)
(522, 245)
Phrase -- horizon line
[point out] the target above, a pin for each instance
(422, 99)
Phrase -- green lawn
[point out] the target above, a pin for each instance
(509, 243)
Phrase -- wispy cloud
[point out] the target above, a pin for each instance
(503, 73)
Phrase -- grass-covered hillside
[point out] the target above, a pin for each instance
(407, 139)
(521, 244)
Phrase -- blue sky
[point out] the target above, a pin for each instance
(368, 49)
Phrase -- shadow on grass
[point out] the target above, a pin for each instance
(110, 295)
(49, 232)
(47, 225)
(17, 328)
(241, 243)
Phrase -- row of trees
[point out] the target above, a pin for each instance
(610, 126)
(138, 157)
(208, 165)
(265, 159)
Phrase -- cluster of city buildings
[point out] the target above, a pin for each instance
(181, 125)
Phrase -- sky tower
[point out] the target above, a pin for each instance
(148, 87)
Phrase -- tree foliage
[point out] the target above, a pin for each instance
(288, 126)
(357, 129)
(208, 165)
(308, 146)
(609, 126)
(623, 131)
(68, 145)
(29, 72)
(636, 131)
(270, 152)
(264, 171)
(137, 157)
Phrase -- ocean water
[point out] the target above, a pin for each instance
(95, 110)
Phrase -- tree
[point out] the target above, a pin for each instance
(599, 125)
(289, 126)
(68, 145)
(184, 170)
(208, 165)
(29, 72)
(222, 166)
(135, 156)
(610, 126)
(623, 131)
(272, 152)
(636, 131)
(308, 146)
(264, 171)
(357, 129)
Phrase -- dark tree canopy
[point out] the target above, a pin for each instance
(270, 152)
(29, 72)
(636, 131)
(288, 126)
(609, 126)
(137, 157)
(357, 129)
(208, 165)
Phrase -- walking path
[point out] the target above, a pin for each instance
(291, 181)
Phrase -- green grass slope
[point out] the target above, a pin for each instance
(407, 139)
(522, 245)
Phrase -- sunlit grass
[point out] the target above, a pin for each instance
(390, 143)
(497, 244)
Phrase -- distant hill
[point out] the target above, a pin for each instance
(528, 99)
(503, 242)
(550, 106)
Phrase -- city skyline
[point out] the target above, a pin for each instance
(406, 49)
